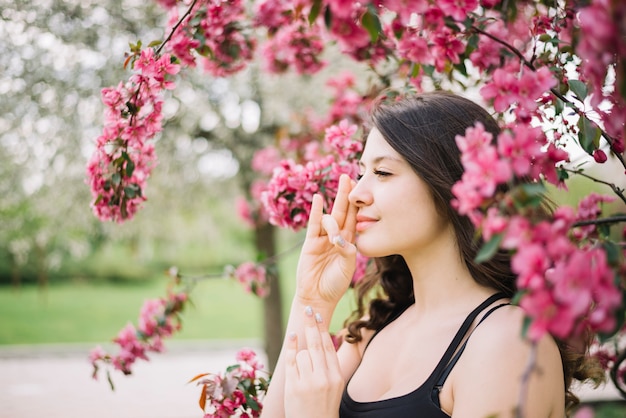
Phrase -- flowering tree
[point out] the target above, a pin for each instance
(554, 73)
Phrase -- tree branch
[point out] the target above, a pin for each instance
(602, 221)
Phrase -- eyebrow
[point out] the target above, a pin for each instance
(381, 158)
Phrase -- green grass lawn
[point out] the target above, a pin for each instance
(71, 312)
(82, 312)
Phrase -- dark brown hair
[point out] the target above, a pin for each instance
(423, 129)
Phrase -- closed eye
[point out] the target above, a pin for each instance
(381, 173)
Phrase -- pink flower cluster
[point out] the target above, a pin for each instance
(296, 45)
(213, 33)
(158, 319)
(524, 91)
(290, 191)
(567, 290)
(124, 154)
(601, 41)
(237, 392)
(252, 276)
(519, 153)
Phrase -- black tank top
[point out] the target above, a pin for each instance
(423, 402)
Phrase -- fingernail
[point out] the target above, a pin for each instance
(318, 318)
(308, 311)
(292, 336)
(338, 240)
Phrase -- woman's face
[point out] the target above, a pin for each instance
(396, 213)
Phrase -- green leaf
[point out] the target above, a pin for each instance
(132, 190)
(545, 37)
(612, 251)
(529, 194)
(562, 174)
(315, 11)
(116, 179)
(328, 17)
(579, 88)
(155, 43)
(254, 405)
(231, 368)
(558, 106)
(372, 24)
(489, 249)
(588, 135)
(415, 69)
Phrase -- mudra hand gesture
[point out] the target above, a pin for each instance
(328, 258)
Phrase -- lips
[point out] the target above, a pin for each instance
(364, 222)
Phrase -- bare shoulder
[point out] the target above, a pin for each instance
(499, 362)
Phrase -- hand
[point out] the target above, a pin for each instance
(313, 380)
(328, 258)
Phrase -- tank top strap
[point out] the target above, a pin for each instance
(446, 371)
(456, 341)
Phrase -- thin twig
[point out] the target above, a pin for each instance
(265, 262)
(617, 190)
(180, 21)
(530, 366)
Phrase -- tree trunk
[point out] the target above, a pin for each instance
(265, 242)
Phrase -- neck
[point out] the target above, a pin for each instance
(441, 280)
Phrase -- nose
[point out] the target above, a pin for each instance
(360, 195)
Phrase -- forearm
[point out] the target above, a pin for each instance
(273, 404)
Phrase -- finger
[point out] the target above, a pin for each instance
(314, 226)
(330, 353)
(291, 350)
(314, 341)
(341, 204)
(329, 224)
(350, 225)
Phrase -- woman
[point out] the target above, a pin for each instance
(440, 338)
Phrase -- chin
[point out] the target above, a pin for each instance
(371, 250)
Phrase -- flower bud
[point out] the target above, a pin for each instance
(599, 156)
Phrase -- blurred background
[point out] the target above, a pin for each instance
(69, 282)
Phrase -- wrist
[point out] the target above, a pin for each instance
(323, 309)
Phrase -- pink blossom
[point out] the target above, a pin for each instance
(343, 9)
(244, 211)
(265, 159)
(405, 8)
(361, 267)
(457, 9)
(253, 277)
(296, 45)
(340, 138)
(502, 89)
(547, 315)
(446, 48)
(414, 47)
(273, 14)
(521, 146)
(494, 223)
